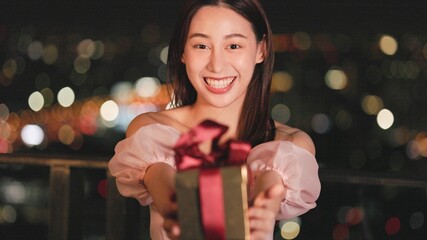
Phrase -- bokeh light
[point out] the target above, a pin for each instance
(86, 48)
(336, 79)
(50, 54)
(82, 64)
(385, 119)
(421, 142)
(121, 92)
(66, 134)
(388, 44)
(10, 68)
(14, 192)
(342, 213)
(372, 104)
(320, 123)
(102, 188)
(416, 220)
(412, 150)
(401, 69)
(399, 136)
(417, 148)
(48, 97)
(147, 87)
(14, 120)
(109, 110)
(4, 112)
(350, 215)
(340, 232)
(35, 50)
(281, 82)
(301, 40)
(392, 226)
(164, 55)
(290, 229)
(66, 97)
(32, 135)
(88, 117)
(281, 113)
(9, 214)
(5, 129)
(5, 146)
(99, 50)
(355, 215)
(36, 101)
(156, 54)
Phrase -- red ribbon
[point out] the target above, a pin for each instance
(189, 156)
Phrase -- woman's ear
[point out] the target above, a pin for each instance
(183, 58)
(261, 51)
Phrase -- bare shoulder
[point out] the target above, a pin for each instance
(167, 117)
(295, 135)
(140, 121)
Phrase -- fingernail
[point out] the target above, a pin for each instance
(175, 230)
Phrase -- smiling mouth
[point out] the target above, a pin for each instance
(219, 83)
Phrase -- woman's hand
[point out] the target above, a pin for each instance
(267, 194)
(160, 182)
(263, 211)
(170, 223)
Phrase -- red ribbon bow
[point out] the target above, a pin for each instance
(189, 156)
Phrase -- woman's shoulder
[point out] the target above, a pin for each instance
(295, 135)
(139, 121)
(166, 117)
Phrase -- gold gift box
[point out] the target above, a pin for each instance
(234, 181)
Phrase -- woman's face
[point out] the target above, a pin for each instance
(220, 55)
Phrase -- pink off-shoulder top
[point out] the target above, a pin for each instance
(154, 143)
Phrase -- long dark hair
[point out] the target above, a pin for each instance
(254, 125)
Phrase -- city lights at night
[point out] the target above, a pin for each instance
(72, 80)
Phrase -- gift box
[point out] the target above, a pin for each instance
(211, 188)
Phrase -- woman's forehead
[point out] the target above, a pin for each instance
(219, 20)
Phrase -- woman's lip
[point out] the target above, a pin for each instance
(219, 85)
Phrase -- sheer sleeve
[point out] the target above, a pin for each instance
(133, 155)
(299, 172)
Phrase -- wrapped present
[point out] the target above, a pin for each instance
(211, 188)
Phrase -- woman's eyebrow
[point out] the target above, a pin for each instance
(198, 35)
(232, 35)
(239, 35)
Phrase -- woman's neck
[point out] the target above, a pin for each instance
(228, 116)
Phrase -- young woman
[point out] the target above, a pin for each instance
(220, 63)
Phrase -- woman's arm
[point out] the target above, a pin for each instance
(143, 165)
(274, 167)
(160, 182)
(269, 192)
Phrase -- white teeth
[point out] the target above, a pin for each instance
(219, 83)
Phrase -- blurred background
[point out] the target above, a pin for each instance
(353, 74)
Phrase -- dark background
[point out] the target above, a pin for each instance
(360, 23)
(124, 23)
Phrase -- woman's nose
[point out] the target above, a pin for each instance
(216, 61)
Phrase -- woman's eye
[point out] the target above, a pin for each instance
(234, 46)
(201, 46)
